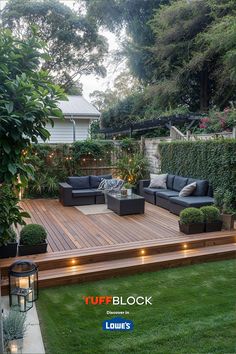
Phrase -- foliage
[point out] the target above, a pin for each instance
(139, 106)
(96, 148)
(129, 145)
(10, 214)
(14, 326)
(224, 200)
(132, 168)
(33, 234)
(214, 160)
(210, 213)
(134, 17)
(217, 121)
(192, 301)
(124, 85)
(54, 163)
(192, 53)
(74, 46)
(27, 100)
(191, 216)
(13, 235)
(95, 130)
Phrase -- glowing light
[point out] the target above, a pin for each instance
(130, 160)
(73, 261)
(100, 159)
(142, 252)
(84, 160)
(94, 159)
(185, 245)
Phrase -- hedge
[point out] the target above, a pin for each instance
(214, 160)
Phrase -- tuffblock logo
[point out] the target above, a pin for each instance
(117, 324)
(118, 300)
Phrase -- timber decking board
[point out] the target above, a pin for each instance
(69, 229)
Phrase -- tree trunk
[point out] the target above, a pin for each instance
(204, 90)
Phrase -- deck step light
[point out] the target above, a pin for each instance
(23, 285)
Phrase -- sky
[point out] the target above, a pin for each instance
(91, 82)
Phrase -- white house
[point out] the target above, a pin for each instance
(78, 114)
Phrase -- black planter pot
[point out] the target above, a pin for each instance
(9, 250)
(24, 250)
(213, 226)
(192, 228)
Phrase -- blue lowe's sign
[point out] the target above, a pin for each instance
(117, 324)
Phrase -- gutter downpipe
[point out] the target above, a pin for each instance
(73, 122)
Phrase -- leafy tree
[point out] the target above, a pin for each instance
(73, 43)
(134, 16)
(191, 53)
(124, 85)
(27, 101)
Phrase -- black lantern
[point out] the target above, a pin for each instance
(23, 284)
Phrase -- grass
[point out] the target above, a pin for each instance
(193, 311)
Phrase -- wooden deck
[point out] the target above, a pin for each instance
(88, 247)
(70, 229)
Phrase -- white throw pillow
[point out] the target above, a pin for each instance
(159, 181)
(153, 176)
(188, 190)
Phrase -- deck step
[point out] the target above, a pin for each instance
(52, 260)
(125, 266)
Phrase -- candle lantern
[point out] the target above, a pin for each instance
(23, 284)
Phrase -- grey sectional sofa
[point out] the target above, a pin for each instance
(82, 190)
(169, 198)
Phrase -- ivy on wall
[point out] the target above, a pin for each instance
(214, 160)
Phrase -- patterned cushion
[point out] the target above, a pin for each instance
(188, 190)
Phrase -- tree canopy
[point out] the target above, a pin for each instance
(74, 46)
(134, 16)
(190, 55)
(27, 101)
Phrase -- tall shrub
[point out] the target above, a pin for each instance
(214, 160)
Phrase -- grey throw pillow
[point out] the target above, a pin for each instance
(188, 190)
(159, 181)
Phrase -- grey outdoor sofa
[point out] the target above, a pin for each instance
(82, 190)
(169, 198)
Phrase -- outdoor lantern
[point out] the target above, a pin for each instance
(23, 284)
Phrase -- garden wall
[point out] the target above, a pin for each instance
(214, 160)
(150, 149)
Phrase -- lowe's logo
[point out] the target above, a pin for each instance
(117, 324)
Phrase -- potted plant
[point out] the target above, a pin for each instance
(224, 201)
(10, 248)
(211, 218)
(32, 240)
(10, 214)
(129, 187)
(191, 221)
(14, 329)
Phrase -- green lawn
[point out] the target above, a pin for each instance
(193, 311)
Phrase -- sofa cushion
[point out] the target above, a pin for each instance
(166, 193)
(79, 182)
(201, 188)
(151, 190)
(85, 192)
(159, 181)
(188, 190)
(170, 181)
(179, 183)
(192, 201)
(96, 180)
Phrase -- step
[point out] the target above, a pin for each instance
(117, 267)
(52, 260)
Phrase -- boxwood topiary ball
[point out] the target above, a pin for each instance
(33, 234)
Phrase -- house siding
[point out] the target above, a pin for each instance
(62, 132)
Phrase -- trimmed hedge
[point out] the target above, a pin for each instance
(214, 160)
